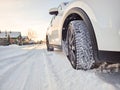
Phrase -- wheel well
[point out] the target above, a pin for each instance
(70, 18)
(79, 14)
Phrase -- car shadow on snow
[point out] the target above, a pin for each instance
(111, 78)
(110, 75)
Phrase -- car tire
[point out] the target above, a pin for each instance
(49, 48)
(80, 50)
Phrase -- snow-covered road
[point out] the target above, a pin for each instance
(33, 68)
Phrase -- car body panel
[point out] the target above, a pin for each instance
(54, 32)
(105, 21)
(104, 16)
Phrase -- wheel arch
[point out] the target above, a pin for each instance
(79, 14)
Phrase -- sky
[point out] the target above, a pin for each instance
(27, 16)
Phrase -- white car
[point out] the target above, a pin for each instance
(88, 31)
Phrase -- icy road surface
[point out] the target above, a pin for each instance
(33, 68)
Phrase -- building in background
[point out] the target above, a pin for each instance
(14, 37)
(4, 38)
(7, 38)
(25, 40)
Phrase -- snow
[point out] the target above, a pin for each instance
(33, 68)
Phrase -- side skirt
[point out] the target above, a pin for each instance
(109, 56)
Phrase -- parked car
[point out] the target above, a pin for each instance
(88, 31)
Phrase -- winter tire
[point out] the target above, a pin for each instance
(80, 50)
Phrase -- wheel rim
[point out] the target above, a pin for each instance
(71, 47)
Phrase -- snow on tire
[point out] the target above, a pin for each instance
(83, 57)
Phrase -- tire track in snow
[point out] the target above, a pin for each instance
(32, 80)
(18, 80)
(37, 80)
(14, 56)
(10, 70)
(6, 65)
(17, 53)
(55, 82)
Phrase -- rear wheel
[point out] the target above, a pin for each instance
(49, 48)
(80, 50)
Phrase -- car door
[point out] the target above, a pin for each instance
(50, 31)
(55, 27)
